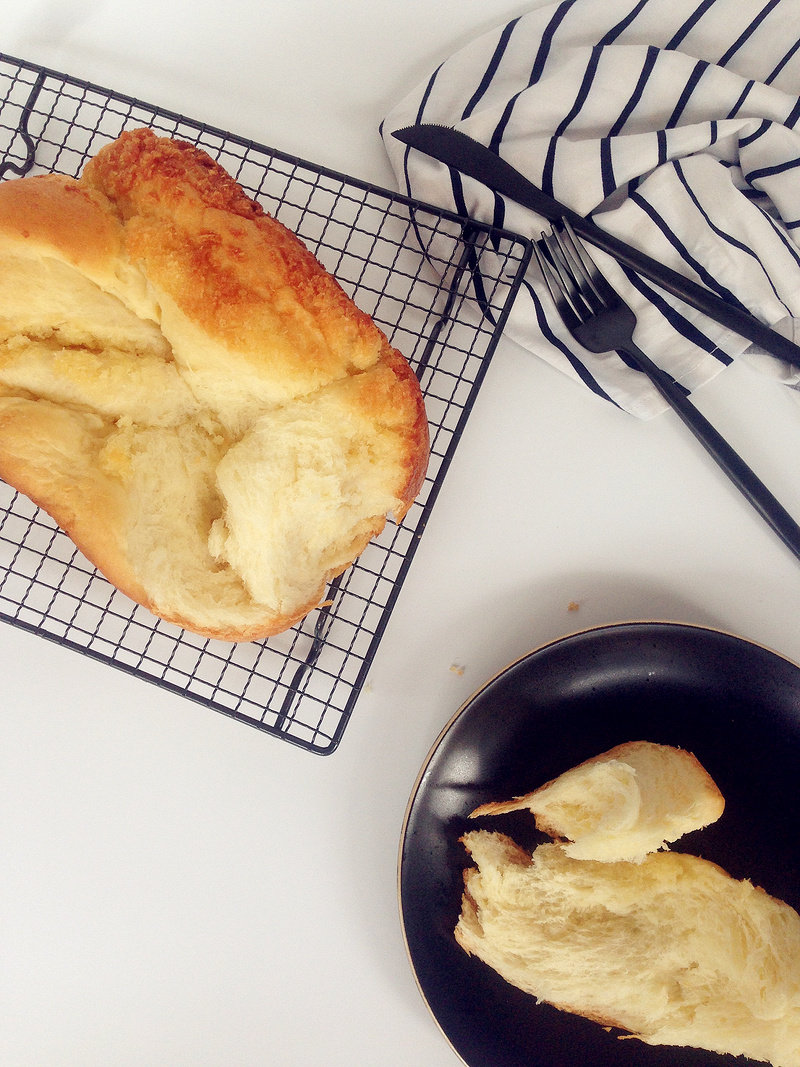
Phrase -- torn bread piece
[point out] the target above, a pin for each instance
(672, 950)
(622, 804)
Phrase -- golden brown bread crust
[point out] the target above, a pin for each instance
(57, 213)
(231, 268)
(197, 315)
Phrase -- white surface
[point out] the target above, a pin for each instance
(179, 889)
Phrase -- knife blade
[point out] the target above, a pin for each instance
(463, 153)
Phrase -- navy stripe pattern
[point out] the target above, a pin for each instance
(675, 123)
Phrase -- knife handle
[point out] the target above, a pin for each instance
(746, 480)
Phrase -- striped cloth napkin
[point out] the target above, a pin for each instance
(676, 124)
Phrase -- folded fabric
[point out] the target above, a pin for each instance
(674, 124)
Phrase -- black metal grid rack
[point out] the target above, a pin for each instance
(410, 266)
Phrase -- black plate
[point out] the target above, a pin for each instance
(734, 704)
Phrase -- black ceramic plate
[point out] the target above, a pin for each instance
(734, 704)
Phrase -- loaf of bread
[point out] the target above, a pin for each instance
(622, 804)
(190, 395)
(668, 947)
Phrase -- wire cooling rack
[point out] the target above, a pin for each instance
(409, 266)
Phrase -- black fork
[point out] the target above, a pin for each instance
(600, 320)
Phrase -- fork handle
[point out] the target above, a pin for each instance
(770, 509)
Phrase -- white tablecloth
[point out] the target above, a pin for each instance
(177, 889)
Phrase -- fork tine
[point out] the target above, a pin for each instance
(572, 277)
(598, 293)
(583, 264)
(594, 277)
(564, 280)
(569, 281)
(561, 292)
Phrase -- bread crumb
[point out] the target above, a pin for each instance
(573, 605)
(457, 668)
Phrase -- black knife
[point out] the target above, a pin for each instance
(470, 157)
